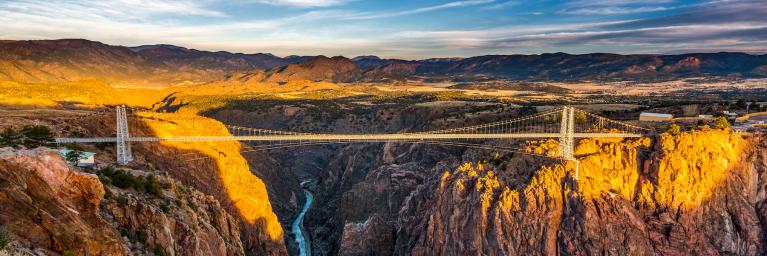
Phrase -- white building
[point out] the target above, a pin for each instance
(655, 117)
(86, 158)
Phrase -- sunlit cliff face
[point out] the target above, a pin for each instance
(246, 191)
(682, 173)
(638, 186)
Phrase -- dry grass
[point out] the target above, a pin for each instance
(81, 94)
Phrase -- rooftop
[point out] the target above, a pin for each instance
(656, 114)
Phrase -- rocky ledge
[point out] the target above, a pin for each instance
(48, 207)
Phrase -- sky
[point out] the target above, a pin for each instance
(406, 29)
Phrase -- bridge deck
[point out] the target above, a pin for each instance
(348, 137)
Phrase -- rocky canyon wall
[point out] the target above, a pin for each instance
(698, 193)
(49, 208)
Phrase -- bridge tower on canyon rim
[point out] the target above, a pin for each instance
(567, 134)
(124, 154)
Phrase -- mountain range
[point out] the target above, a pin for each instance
(79, 59)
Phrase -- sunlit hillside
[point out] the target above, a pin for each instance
(89, 93)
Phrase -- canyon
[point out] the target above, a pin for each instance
(660, 194)
(698, 191)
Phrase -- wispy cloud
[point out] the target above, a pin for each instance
(582, 3)
(205, 24)
(120, 9)
(617, 7)
(422, 9)
(502, 5)
(616, 10)
(303, 3)
(736, 26)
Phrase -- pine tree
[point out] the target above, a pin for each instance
(74, 154)
(9, 138)
(37, 136)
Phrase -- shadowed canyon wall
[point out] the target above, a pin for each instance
(216, 169)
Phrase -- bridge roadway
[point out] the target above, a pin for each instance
(348, 137)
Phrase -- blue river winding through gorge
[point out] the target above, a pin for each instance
(298, 225)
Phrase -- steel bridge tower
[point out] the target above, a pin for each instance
(124, 155)
(567, 134)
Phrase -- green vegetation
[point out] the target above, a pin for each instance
(36, 136)
(9, 138)
(191, 204)
(158, 251)
(74, 154)
(165, 207)
(5, 236)
(721, 123)
(122, 200)
(68, 253)
(107, 193)
(141, 236)
(674, 130)
(125, 180)
(124, 232)
(30, 137)
(152, 186)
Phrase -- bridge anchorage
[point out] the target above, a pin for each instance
(564, 124)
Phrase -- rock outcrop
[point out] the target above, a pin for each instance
(50, 208)
(180, 221)
(696, 193)
(217, 169)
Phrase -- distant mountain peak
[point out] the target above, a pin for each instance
(366, 57)
(80, 59)
(443, 59)
(320, 68)
(151, 47)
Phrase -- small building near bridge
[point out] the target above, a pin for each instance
(655, 117)
(86, 158)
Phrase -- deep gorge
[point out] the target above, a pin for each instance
(370, 198)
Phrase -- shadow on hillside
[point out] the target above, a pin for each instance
(205, 168)
(168, 104)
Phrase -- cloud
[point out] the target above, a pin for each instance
(733, 26)
(503, 5)
(603, 7)
(303, 3)
(124, 22)
(422, 9)
(708, 26)
(616, 3)
(120, 9)
(616, 10)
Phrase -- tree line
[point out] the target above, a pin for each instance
(30, 136)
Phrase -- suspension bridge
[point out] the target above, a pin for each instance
(564, 124)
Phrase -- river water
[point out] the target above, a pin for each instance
(298, 226)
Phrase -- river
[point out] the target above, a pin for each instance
(298, 226)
